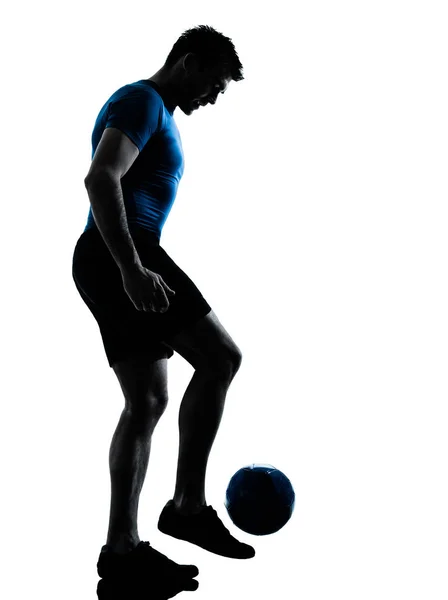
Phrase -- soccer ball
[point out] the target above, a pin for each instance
(259, 499)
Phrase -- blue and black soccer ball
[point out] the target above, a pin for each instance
(259, 499)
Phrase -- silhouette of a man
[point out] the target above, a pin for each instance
(146, 307)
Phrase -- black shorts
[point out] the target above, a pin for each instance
(125, 330)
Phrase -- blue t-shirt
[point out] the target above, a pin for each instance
(150, 186)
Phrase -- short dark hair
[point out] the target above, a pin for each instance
(212, 48)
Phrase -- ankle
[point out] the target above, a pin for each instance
(188, 507)
(122, 544)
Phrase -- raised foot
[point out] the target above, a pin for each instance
(204, 529)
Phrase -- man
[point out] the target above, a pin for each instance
(146, 307)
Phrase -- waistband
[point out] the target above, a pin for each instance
(137, 232)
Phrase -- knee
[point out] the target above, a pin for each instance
(236, 359)
(227, 363)
(149, 407)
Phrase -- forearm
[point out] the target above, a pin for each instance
(106, 199)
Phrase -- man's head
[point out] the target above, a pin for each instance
(200, 66)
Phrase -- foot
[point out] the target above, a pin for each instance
(204, 529)
(142, 560)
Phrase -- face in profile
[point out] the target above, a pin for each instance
(201, 88)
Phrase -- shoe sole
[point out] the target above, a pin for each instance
(123, 590)
(116, 569)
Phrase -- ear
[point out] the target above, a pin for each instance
(190, 63)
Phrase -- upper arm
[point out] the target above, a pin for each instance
(114, 155)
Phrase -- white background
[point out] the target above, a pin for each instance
(312, 216)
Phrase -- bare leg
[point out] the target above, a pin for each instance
(128, 463)
(210, 350)
(199, 418)
(144, 386)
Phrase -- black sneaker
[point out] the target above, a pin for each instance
(143, 560)
(129, 588)
(205, 529)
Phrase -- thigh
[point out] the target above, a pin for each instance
(205, 343)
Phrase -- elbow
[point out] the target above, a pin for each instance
(99, 178)
(87, 181)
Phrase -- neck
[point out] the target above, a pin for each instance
(165, 81)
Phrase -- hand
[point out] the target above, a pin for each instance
(146, 289)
